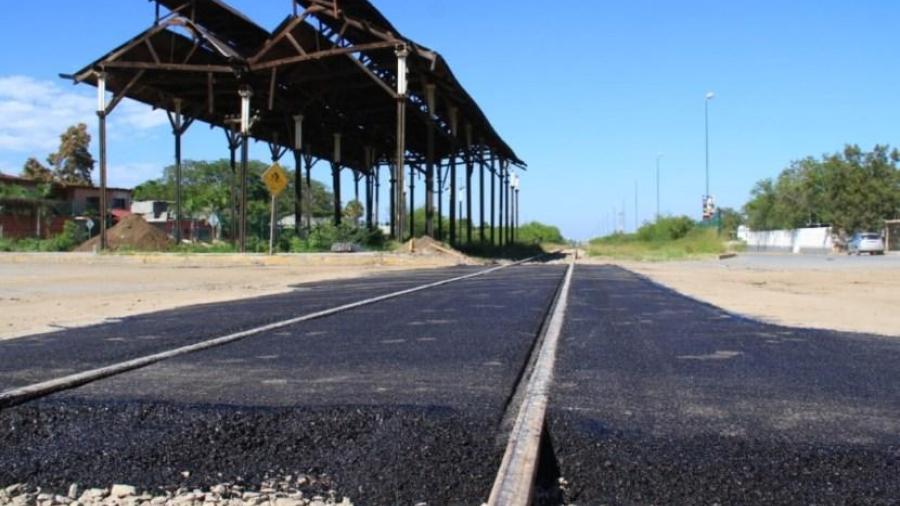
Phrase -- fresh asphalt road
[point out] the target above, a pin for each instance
(660, 399)
(70, 351)
(397, 402)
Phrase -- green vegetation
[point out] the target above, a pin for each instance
(70, 237)
(538, 233)
(207, 189)
(670, 238)
(851, 191)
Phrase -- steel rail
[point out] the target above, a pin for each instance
(514, 484)
(20, 395)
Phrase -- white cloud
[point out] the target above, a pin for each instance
(36, 112)
(129, 175)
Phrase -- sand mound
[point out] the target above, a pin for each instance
(131, 233)
(428, 246)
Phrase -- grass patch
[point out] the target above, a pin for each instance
(668, 239)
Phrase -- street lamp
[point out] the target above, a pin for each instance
(709, 96)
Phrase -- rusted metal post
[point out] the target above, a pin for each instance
(298, 173)
(246, 94)
(336, 179)
(402, 53)
(429, 170)
(101, 115)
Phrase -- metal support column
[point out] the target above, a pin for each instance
(308, 162)
(454, 130)
(508, 206)
(501, 205)
(412, 201)
(298, 173)
(234, 142)
(101, 115)
(493, 171)
(430, 98)
(481, 220)
(336, 179)
(246, 94)
(400, 156)
(393, 200)
(440, 202)
(377, 184)
(470, 168)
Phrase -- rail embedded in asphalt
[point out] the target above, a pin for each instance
(16, 396)
(514, 484)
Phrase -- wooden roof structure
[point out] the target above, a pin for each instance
(332, 61)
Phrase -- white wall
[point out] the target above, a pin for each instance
(801, 240)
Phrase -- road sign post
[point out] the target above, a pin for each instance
(276, 180)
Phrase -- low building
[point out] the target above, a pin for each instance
(30, 208)
(161, 214)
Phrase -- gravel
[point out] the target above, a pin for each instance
(281, 491)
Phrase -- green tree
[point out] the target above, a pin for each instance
(730, 221)
(73, 162)
(353, 211)
(537, 233)
(852, 190)
(35, 170)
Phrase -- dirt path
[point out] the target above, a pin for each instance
(46, 292)
(839, 293)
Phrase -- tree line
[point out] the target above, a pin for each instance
(850, 191)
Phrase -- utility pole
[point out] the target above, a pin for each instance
(709, 96)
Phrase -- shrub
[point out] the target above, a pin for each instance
(670, 228)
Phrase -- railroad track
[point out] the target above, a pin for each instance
(515, 481)
(526, 407)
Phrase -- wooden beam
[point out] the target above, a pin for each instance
(178, 67)
(121, 94)
(321, 54)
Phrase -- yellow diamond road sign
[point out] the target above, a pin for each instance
(276, 179)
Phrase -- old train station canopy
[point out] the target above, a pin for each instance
(335, 62)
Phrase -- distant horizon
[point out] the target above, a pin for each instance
(589, 115)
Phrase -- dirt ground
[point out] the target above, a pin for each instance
(47, 292)
(855, 294)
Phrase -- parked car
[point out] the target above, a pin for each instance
(866, 242)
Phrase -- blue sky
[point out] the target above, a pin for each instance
(587, 92)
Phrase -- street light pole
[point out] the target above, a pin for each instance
(709, 96)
